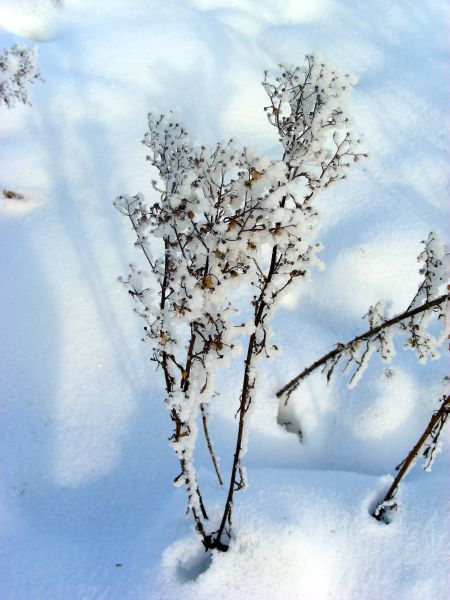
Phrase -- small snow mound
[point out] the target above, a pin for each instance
(395, 401)
(383, 268)
(186, 560)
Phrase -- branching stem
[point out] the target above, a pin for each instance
(340, 348)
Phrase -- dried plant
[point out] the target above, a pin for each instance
(17, 69)
(227, 218)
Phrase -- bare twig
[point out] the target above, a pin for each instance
(216, 541)
(433, 430)
(209, 444)
(244, 405)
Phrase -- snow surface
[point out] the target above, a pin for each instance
(87, 507)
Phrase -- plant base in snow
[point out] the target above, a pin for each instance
(11, 195)
(428, 446)
(385, 511)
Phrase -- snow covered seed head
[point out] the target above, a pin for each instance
(307, 109)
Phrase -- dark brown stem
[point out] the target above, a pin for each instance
(340, 348)
(209, 444)
(166, 274)
(185, 381)
(243, 407)
(440, 415)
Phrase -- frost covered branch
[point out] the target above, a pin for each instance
(224, 219)
(426, 305)
(429, 444)
(17, 69)
(318, 147)
(306, 108)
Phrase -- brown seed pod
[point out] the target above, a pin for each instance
(207, 282)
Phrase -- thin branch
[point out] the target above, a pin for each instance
(226, 516)
(243, 408)
(210, 446)
(340, 348)
(437, 421)
(140, 244)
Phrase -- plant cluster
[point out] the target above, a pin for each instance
(227, 218)
(229, 221)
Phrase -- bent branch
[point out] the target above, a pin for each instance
(340, 348)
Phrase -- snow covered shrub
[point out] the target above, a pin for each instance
(228, 219)
(17, 69)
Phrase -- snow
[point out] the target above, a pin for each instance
(87, 505)
(303, 534)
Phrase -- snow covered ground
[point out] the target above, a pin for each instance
(87, 506)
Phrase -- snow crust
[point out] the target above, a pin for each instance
(87, 506)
